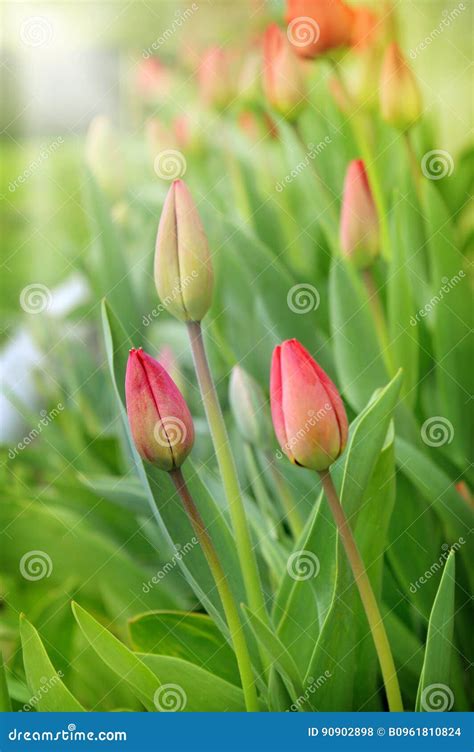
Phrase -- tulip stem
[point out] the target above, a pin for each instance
(379, 318)
(367, 595)
(227, 599)
(225, 460)
(412, 158)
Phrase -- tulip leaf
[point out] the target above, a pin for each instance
(51, 695)
(185, 687)
(5, 702)
(188, 636)
(450, 321)
(128, 666)
(359, 361)
(278, 653)
(434, 691)
(167, 509)
(401, 308)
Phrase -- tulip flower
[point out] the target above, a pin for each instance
(183, 270)
(359, 231)
(214, 78)
(160, 421)
(308, 415)
(366, 27)
(250, 408)
(400, 98)
(283, 80)
(154, 80)
(317, 26)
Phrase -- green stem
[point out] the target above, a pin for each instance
(225, 460)
(294, 520)
(412, 158)
(379, 319)
(374, 617)
(228, 602)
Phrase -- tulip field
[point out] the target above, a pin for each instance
(236, 455)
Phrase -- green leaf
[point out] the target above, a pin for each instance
(50, 695)
(359, 362)
(450, 321)
(279, 655)
(128, 667)
(191, 637)
(401, 307)
(434, 691)
(5, 703)
(189, 688)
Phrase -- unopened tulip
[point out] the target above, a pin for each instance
(366, 28)
(308, 415)
(160, 421)
(400, 98)
(250, 408)
(214, 78)
(183, 269)
(154, 80)
(317, 26)
(359, 230)
(104, 156)
(282, 76)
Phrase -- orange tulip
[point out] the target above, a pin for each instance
(316, 26)
(283, 81)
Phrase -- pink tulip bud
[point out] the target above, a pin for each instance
(308, 415)
(359, 231)
(214, 78)
(283, 79)
(400, 98)
(160, 421)
(183, 269)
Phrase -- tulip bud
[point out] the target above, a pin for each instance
(282, 76)
(400, 98)
(308, 415)
(316, 26)
(214, 77)
(359, 230)
(250, 408)
(160, 421)
(183, 270)
(104, 157)
(366, 28)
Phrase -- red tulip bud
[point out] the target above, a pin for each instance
(316, 26)
(160, 421)
(214, 77)
(308, 415)
(183, 270)
(359, 231)
(400, 98)
(282, 76)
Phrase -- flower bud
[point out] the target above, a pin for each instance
(365, 29)
(283, 80)
(308, 415)
(183, 269)
(250, 408)
(104, 156)
(214, 78)
(316, 26)
(359, 230)
(160, 421)
(400, 98)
